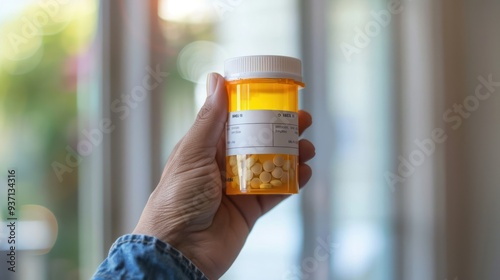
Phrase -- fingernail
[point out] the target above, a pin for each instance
(212, 82)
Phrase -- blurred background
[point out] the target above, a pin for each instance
(405, 97)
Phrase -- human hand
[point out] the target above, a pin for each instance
(189, 209)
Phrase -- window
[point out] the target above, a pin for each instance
(81, 131)
(41, 46)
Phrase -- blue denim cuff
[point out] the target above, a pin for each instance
(135, 256)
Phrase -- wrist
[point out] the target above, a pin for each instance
(184, 245)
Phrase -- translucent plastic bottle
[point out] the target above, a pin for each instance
(262, 128)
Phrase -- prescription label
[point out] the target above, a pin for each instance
(262, 132)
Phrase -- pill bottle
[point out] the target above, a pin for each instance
(262, 130)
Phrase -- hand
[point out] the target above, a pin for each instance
(188, 208)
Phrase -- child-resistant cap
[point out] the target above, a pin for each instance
(263, 66)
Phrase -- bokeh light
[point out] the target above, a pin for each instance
(198, 58)
(188, 11)
(19, 67)
(39, 229)
(22, 37)
(18, 41)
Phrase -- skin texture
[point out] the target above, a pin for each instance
(189, 208)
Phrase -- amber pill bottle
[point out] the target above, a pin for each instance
(262, 129)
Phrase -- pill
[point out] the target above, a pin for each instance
(256, 168)
(268, 166)
(235, 170)
(278, 160)
(248, 175)
(251, 161)
(232, 161)
(255, 183)
(277, 172)
(286, 165)
(265, 177)
(266, 186)
(284, 177)
(276, 183)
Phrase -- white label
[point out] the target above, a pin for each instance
(262, 132)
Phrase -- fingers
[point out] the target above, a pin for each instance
(307, 150)
(305, 121)
(305, 173)
(209, 125)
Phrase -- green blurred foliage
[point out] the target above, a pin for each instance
(38, 119)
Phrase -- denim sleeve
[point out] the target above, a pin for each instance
(145, 257)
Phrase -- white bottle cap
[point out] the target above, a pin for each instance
(263, 66)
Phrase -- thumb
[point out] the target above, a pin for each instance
(205, 133)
